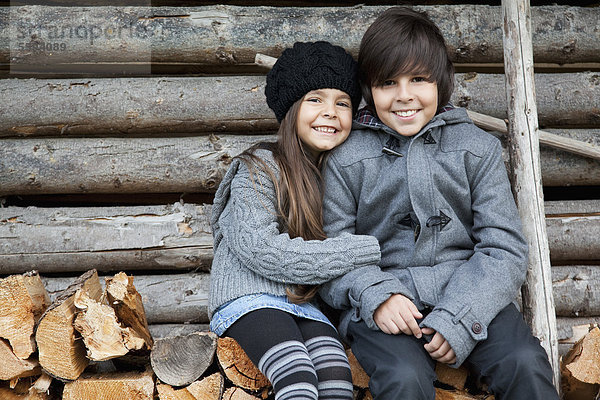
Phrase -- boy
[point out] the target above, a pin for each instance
(417, 174)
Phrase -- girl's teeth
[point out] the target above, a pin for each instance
(405, 113)
(325, 129)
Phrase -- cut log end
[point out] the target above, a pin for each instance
(179, 361)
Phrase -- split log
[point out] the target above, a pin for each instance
(235, 393)
(179, 298)
(109, 238)
(42, 384)
(166, 392)
(225, 35)
(61, 352)
(23, 299)
(360, 378)
(9, 394)
(455, 377)
(209, 388)
(442, 394)
(102, 334)
(180, 360)
(12, 367)
(116, 386)
(569, 329)
(129, 308)
(128, 106)
(237, 366)
(581, 369)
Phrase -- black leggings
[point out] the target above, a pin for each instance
(302, 358)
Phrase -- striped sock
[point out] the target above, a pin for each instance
(290, 370)
(333, 369)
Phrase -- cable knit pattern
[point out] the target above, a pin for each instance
(253, 254)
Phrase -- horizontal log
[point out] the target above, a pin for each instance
(183, 298)
(232, 35)
(180, 165)
(66, 240)
(168, 299)
(150, 106)
(61, 240)
(193, 164)
(169, 330)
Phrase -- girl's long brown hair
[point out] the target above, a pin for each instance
(299, 189)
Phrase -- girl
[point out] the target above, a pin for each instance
(270, 248)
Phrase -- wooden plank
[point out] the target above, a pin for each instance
(67, 240)
(176, 105)
(576, 290)
(168, 299)
(225, 35)
(180, 165)
(538, 302)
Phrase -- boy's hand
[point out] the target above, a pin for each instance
(438, 348)
(398, 314)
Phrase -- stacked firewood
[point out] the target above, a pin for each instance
(94, 343)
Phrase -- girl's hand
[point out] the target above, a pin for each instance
(398, 314)
(438, 348)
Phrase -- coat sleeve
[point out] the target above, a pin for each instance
(490, 279)
(365, 288)
(250, 228)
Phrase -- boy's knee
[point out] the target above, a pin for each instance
(402, 382)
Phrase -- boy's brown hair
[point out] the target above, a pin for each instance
(402, 40)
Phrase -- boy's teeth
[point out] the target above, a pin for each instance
(405, 113)
(325, 129)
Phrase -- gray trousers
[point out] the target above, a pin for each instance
(510, 361)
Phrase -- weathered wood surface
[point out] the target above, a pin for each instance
(186, 165)
(73, 239)
(181, 299)
(129, 106)
(109, 238)
(168, 299)
(225, 35)
(169, 330)
(526, 175)
(181, 360)
(110, 165)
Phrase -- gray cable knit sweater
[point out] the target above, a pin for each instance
(254, 254)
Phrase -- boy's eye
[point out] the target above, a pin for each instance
(389, 82)
(421, 79)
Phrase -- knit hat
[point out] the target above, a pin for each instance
(310, 66)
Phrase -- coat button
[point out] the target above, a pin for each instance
(476, 328)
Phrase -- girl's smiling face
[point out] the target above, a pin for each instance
(324, 120)
(406, 102)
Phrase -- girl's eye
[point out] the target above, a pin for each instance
(313, 99)
(343, 104)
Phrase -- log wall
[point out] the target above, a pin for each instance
(83, 113)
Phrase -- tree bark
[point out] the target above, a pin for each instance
(226, 35)
(184, 165)
(538, 301)
(177, 105)
(175, 237)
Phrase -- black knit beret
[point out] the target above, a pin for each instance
(310, 66)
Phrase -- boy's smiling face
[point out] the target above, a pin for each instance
(406, 102)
